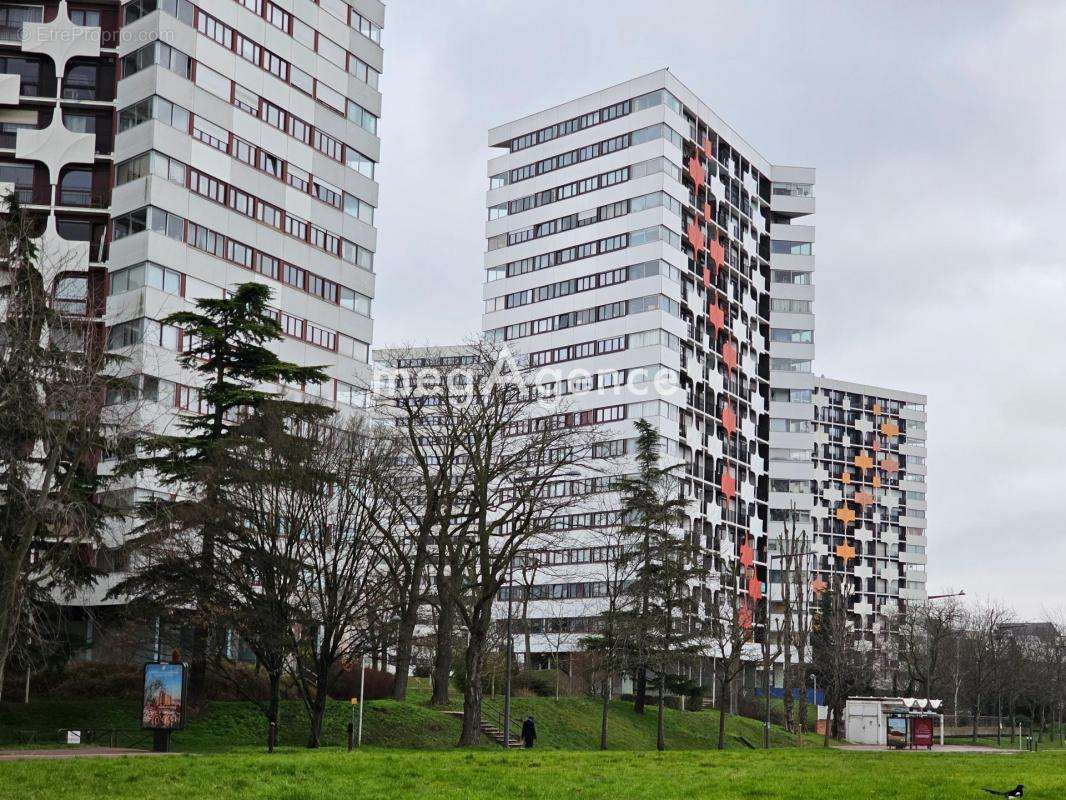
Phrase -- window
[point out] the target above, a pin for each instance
(278, 18)
(243, 151)
(80, 83)
(360, 209)
(354, 301)
(784, 247)
(248, 49)
(366, 27)
(294, 226)
(332, 52)
(12, 18)
(327, 192)
(293, 275)
(790, 276)
(790, 395)
(790, 306)
(274, 115)
(268, 214)
(330, 146)
(76, 187)
(302, 81)
(245, 100)
(213, 29)
(270, 164)
(330, 97)
(363, 118)
(267, 265)
(275, 65)
(297, 178)
(298, 129)
(791, 335)
(144, 274)
(210, 134)
(790, 364)
(241, 202)
(209, 187)
(303, 33)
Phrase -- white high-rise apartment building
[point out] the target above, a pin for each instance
(630, 235)
(181, 147)
(870, 451)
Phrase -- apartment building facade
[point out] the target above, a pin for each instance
(180, 148)
(869, 512)
(629, 247)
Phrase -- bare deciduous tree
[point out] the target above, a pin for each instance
(54, 379)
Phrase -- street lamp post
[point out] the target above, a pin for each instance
(766, 634)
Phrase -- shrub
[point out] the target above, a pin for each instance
(378, 684)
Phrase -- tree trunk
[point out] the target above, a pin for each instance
(640, 690)
(198, 666)
(471, 734)
(274, 707)
(8, 611)
(723, 692)
(828, 728)
(442, 661)
(603, 713)
(318, 712)
(406, 634)
(660, 738)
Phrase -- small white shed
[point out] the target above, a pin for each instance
(867, 720)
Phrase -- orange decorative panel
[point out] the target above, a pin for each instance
(890, 429)
(890, 464)
(845, 552)
(747, 555)
(845, 478)
(875, 446)
(716, 316)
(863, 461)
(708, 147)
(818, 585)
(728, 484)
(695, 236)
(744, 617)
(877, 408)
(863, 498)
(729, 420)
(706, 277)
(755, 589)
(845, 514)
(708, 211)
(696, 170)
(717, 252)
(876, 481)
(729, 355)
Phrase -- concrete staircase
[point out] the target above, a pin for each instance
(490, 729)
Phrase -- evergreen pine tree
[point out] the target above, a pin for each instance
(229, 351)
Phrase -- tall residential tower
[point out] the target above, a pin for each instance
(630, 236)
(178, 148)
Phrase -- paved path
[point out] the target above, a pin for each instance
(947, 748)
(75, 752)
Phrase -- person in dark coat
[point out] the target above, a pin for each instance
(529, 732)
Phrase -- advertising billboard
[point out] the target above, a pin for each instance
(164, 696)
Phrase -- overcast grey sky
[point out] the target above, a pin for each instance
(939, 134)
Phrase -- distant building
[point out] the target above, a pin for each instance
(870, 494)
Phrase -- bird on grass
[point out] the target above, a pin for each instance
(1015, 792)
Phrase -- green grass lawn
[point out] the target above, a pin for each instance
(802, 774)
(567, 723)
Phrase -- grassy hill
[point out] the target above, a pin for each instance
(567, 724)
